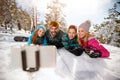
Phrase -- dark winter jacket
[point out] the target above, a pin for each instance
(56, 40)
(72, 45)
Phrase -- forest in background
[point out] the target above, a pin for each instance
(14, 16)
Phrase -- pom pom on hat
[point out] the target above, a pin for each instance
(86, 25)
(41, 26)
(54, 24)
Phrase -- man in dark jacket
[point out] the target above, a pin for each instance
(54, 35)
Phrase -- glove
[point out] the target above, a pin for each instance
(91, 53)
(76, 51)
(95, 55)
(87, 50)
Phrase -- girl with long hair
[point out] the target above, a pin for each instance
(90, 44)
(38, 37)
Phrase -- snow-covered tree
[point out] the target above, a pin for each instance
(6, 6)
(55, 13)
(24, 19)
(109, 31)
(10, 14)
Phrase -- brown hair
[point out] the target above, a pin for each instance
(72, 27)
(54, 23)
(89, 34)
(35, 38)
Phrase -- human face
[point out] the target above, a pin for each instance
(82, 33)
(54, 30)
(41, 32)
(71, 33)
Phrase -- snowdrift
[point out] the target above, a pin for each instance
(69, 67)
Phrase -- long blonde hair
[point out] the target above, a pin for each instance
(89, 34)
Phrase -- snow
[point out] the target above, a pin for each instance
(95, 69)
(69, 67)
(8, 36)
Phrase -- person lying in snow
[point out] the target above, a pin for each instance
(69, 41)
(38, 36)
(84, 67)
(54, 35)
(91, 45)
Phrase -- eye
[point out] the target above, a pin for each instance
(43, 32)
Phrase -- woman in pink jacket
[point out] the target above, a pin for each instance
(90, 45)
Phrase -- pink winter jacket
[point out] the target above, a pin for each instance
(94, 43)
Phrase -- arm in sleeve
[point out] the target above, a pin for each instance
(65, 42)
(95, 44)
(30, 38)
(45, 41)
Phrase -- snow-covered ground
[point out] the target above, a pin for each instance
(111, 66)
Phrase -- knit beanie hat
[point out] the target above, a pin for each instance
(41, 26)
(85, 25)
(54, 24)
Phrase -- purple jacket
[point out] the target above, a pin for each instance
(95, 44)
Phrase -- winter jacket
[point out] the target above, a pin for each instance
(39, 41)
(69, 43)
(72, 45)
(56, 40)
(94, 45)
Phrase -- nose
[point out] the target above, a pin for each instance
(79, 32)
(54, 30)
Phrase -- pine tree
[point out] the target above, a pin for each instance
(109, 31)
(55, 13)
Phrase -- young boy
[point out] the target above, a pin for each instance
(70, 41)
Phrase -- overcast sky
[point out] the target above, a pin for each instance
(76, 11)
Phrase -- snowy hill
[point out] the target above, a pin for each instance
(112, 64)
(8, 36)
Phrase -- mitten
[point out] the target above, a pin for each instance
(77, 51)
(87, 50)
(95, 54)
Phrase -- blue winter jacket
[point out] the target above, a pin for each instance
(39, 42)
